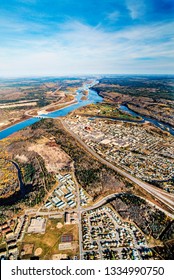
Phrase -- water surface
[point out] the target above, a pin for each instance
(93, 97)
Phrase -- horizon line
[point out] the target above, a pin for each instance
(85, 75)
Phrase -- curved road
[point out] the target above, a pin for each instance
(167, 199)
(106, 199)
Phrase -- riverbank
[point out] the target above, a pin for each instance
(15, 123)
(27, 117)
(3, 127)
(58, 107)
(125, 101)
(112, 118)
(159, 124)
(21, 184)
(149, 116)
(93, 97)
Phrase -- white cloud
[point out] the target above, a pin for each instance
(113, 17)
(81, 49)
(136, 8)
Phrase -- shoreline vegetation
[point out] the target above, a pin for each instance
(113, 118)
(129, 106)
(113, 93)
(153, 98)
(106, 110)
(51, 108)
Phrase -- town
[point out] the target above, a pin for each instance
(137, 148)
(64, 195)
(106, 236)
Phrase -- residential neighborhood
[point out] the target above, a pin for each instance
(141, 151)
(63, 196)
(107, 236)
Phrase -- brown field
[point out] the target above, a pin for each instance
(11, 116)
(54, 157)
(10, 94)
(18, 105)
(38, 252)
(28, 248)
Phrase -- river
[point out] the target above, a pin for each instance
(159, 124)
(93, 97)
(21, 184)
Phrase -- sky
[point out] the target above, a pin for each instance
(73, 37)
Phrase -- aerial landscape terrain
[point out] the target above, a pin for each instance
(93, 182)
(87, 130)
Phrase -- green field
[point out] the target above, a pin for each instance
(49, 241)
(106, 110)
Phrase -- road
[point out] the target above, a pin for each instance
(158, 194)
(78, 210)
(106, 199)
(81, 209)
(64, 104)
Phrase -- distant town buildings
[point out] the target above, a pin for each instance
(137, 148)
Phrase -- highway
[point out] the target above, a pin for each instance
(162, 196)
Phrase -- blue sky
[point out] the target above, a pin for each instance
(69, 37)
